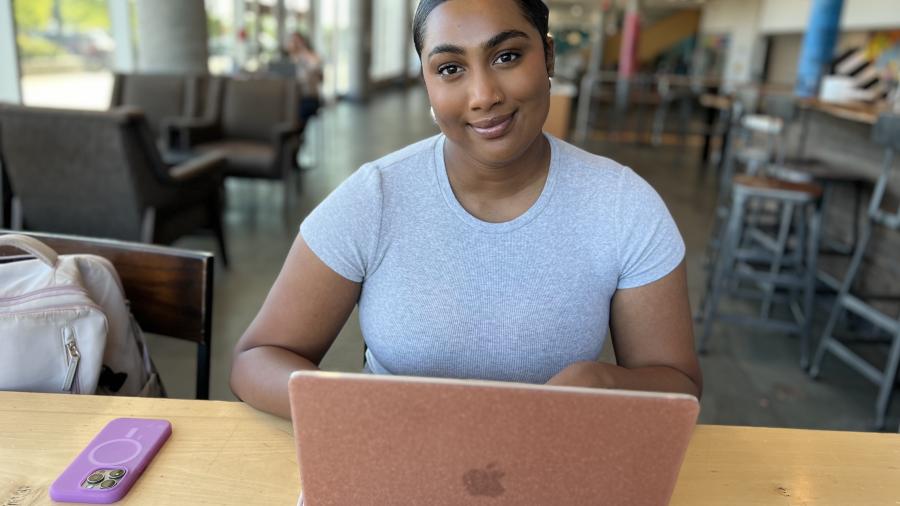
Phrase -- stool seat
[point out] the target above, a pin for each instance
(813, 190)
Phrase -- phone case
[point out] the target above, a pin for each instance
(110, 464)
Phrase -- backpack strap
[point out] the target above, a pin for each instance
(32, 246)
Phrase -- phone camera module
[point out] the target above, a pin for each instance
(95, 478)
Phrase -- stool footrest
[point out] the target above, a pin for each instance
(856, 362)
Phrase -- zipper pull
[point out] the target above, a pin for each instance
(74, 357)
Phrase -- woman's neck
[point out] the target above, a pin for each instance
(498, 192)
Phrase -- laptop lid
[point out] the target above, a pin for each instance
(367, 439)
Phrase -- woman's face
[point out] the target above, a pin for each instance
(487, 77)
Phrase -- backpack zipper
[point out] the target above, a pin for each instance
(74, 357)
(9, 301)
(71, 347)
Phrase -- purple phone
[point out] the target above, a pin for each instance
(110, 464)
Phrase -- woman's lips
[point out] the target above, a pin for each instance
(493, 128)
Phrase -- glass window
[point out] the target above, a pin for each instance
(220, 25)
(334, 45)
(388, 39)
(66, 52)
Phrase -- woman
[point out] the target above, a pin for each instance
(308, 67)
(490, 251)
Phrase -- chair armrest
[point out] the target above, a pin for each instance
(284, 131)
(198, 167)
(192, 131)
(126, 113)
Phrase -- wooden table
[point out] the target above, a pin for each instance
(851, 111)
(228, 453)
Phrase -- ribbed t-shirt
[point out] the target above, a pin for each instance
(445, 294)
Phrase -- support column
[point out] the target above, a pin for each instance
(818, 45)
(10, 83)
(360, 34)
(172, 36)
(120, 22)
(629, 47)
(589, 81)
(408, 67)
(280, 20)
(628, 53)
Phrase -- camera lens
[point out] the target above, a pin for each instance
(95, 478)
(108, 484)
(116, 473)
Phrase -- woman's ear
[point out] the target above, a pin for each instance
(550, 55)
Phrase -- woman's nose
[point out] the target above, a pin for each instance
(485, 91)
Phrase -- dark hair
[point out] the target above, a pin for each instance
(535, 11)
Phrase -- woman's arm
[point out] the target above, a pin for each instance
(300, 319)
(653, 338)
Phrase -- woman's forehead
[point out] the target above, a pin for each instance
(470, 23)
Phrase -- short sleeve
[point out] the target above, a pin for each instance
(344, 229)
(649, 243)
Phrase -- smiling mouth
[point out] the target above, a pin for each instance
(495, 127)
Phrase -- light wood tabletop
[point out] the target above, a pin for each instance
(229, 453)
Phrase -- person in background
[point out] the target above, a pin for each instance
(309, 74)
(490, 251)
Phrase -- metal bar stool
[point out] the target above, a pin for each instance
(887, 134)
(754, 143)
(786, 262)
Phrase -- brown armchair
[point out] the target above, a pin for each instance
(99, 174)
(255, 128)
(164, 99)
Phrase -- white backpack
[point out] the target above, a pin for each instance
(65, 326)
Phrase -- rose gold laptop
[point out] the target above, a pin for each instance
(384, 440)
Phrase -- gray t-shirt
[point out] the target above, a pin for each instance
(445, 294)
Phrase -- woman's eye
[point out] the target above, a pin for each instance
(448, 70)
(507, 57)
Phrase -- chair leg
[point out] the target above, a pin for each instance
(287, 190)
(827, 337)
(887, 383)
(813, 241)
(220, 239)
(659, 122)
(730, 241)
(216, 210)
(713, 249)
(838, 309)
(787, 217)
(204, 353)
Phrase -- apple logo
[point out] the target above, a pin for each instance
(484, 482)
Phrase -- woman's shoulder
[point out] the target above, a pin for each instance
(398, 170)
(411, 156)
(589, 170)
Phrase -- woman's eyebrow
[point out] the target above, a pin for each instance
(446, 48)
(502, 37)
(491, 43)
